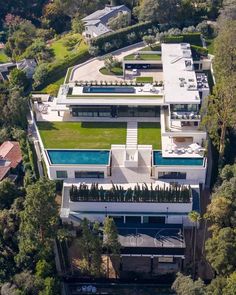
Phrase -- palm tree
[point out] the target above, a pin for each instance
(194, 217)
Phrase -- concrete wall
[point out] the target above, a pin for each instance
(193, 173)
(117, 207)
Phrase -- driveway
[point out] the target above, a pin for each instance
(89, 71)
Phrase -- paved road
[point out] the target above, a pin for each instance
(89, 71)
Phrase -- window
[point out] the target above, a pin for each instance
(171, 175)
(89, 174)
(61, 174)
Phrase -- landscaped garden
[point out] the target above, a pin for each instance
(82, 135)
(117, 71)
(149, 134)
(144, 79)
(143, 56)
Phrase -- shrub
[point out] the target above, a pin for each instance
(173, 39)
(199, 51)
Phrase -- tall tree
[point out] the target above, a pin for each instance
(221, 251)
(224, 50)
(39, 221)
(220, 113)
(194, 217)
(111, 235)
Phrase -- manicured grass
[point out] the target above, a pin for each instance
(117, 71)
(144, 79)
(82, 135)
(61, 51)
(150, 134)
(143, 57)
(3, 57)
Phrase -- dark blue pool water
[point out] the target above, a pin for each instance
(159, 160)
(78, 157)
(108, 89)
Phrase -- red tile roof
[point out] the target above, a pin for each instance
(10, 156)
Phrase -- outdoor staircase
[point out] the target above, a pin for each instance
(132, 134)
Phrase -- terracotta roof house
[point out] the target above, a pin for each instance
(10, 159)
(96, 24)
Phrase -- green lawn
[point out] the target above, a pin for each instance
(149, 133)
(3, 57)
(144, 79)
(60, 49)
(143, 57)
(82, 135)
(117, 71)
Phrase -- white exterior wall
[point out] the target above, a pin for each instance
(193, 173)
(130, 207)
(73, 168)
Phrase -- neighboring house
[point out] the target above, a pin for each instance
(26, 65)
(10, 160)
(96, 24)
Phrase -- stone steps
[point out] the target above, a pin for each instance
(132, 134)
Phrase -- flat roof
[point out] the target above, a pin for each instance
(160, 239)
(179, 75)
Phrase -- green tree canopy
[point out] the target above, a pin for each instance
(17, 78)
(111, 235)
(8, 193)
(39, 221)
(221, 251)
(184, 285)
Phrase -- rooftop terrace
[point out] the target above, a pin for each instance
(179, 75)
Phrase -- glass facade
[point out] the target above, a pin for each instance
(171, 175)
(61, 174)
(89, 174)
(115, 111)
(184, 107)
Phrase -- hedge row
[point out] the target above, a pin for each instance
(191, 38)
(58, 70)
(197, 50)
(123, 37)
(173, 39)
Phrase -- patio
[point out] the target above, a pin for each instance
(182, 147)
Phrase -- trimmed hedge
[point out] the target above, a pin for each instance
(173, 39)
(199, 50)
(192, 38)
(120, 38)
(58, 70)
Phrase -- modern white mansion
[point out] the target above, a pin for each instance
(180, 165)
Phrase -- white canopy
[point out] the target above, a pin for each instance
(195, 146)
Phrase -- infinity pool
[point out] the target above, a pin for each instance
(79, 157)
(159, 160)
(109, 89)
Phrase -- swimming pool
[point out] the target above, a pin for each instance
(79, 157)
(109, 89)
(159, 160)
